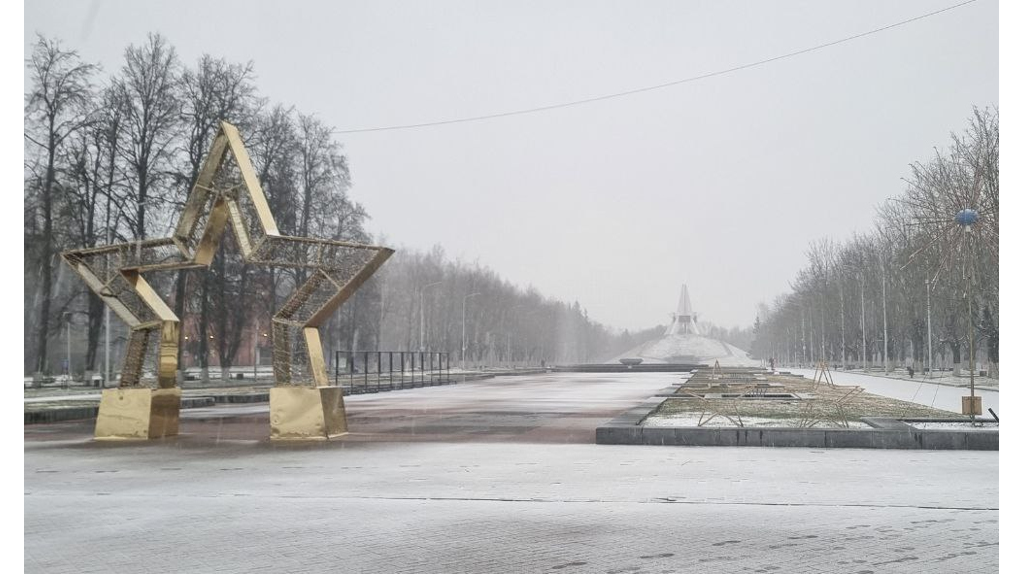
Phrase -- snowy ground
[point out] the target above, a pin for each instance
(942, 378)
(688, 347)
(916, 391)
(494, 476)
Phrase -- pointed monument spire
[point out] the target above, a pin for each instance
(684, 321)
(684, 309)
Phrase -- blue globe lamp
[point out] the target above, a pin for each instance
(966, 218)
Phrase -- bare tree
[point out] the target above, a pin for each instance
(920, 271)
(57, 108)
(148, 90)
(213, 91)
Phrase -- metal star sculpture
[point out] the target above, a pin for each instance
(227, 192)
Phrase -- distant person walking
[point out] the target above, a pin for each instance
(911, 371)
(771, 364)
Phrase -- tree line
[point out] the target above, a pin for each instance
(428, 302)
(921, 278)
(111, 158)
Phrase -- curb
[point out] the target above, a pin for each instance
(804, 438)
(60, 414)
(628, 429)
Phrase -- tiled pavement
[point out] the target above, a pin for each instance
(464, 496)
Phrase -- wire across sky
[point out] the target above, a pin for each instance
(654, 87)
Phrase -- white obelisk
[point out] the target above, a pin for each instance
(684, 321)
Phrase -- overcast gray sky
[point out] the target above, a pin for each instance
(719, 183)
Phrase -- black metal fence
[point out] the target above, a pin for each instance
(375, 371)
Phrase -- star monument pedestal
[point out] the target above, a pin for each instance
(306, 413)
(138, 413)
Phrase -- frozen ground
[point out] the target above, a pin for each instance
(495, 476)
(688, 347)
(917, 391)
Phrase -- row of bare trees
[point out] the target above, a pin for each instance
(112, 157)
(737, 336)
(922, 280)
(427, 302)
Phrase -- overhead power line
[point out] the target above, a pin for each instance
(654, 87)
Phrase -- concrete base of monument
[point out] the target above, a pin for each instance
(138, 413)
(306, 413)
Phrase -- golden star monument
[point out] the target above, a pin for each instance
(302, 403)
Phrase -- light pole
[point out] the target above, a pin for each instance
(842, 320)
(885, 329)
(464, 299)
(863, 333)
(421, 311)
(526, 347)
(928, 307)
(803, 337)
(106, 325)
(255, 350)
(966, 218)
(67, 316)
(508, 336)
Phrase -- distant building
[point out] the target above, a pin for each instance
(254, 344)
(683, 343)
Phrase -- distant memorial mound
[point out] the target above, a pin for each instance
(683, 343)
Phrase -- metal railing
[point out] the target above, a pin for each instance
(376, 371)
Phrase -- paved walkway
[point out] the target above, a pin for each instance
(945, 379)
(494, 476)
(917, 391)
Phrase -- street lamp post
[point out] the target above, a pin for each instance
(526, 347)
(106, 327)
(885, 329)
(255, 350)
(508, 336)
(842, 321)
(421, 311)
(928, 306)
(67, 315)
(464, 299)
(863, 333)
(966, 218)
(803, 337)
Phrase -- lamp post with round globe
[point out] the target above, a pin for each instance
(965, 218)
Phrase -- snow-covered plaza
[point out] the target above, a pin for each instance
(500, 475)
